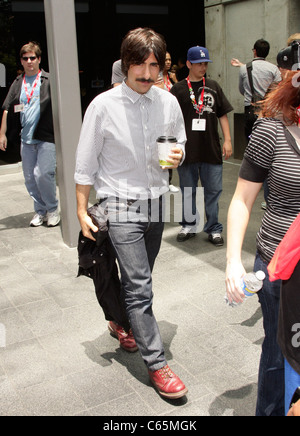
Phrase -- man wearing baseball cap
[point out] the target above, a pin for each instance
(203, 104)
(198, 55)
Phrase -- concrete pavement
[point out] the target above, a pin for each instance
(57, 356)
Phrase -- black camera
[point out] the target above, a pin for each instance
(289, 58)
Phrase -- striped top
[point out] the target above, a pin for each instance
(273, 154)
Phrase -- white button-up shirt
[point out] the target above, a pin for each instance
(117, 150)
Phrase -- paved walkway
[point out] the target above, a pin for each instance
(56, 355)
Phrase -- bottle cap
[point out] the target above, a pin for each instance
(260, 275)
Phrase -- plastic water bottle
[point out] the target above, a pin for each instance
(251, 283)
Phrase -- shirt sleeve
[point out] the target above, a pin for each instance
(179, 127)
(278, 76)
(252, 172)
(89, 147)
(223, 107)
(11, 95)
(259, 152)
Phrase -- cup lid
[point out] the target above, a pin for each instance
(166, 139)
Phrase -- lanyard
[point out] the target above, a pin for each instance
(29, 97)
(198, 108)
(298, 114)
(168, 83)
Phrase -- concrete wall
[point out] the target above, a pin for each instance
(232, 27)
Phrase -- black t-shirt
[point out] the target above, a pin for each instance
(289, 320)
(202, 146)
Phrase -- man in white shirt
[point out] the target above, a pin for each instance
(117, 153)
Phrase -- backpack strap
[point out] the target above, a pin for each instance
(255, 95)
(249, 67)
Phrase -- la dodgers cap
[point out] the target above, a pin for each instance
(197, 55)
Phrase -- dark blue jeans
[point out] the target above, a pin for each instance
(211, 177)
(292, 382)
(270, 397)
(136, 232)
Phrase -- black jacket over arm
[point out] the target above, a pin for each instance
(97, 261)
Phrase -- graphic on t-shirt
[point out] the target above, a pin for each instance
(209, 100)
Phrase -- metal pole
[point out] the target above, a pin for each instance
(65, 95)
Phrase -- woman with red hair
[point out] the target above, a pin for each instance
(273, 154)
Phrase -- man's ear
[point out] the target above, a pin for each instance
(188, 64)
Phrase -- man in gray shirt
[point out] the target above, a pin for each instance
(263, 74)
(117, 153)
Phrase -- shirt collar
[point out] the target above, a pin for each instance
(135, 96)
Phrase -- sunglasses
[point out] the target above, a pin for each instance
(26, 58)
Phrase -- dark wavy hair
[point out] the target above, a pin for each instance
(137, 46)
(284, 99)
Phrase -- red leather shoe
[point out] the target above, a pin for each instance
(167, 383)
(127, 341)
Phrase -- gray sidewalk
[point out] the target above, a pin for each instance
(57, 356)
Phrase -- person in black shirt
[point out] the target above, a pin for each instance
(203, 104)
(288, 333)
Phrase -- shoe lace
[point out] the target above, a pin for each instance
(130, 334)
(53, 214)
(126, 335)
(123, 332)
(166, 372)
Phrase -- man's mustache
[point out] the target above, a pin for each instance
(143, 80)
